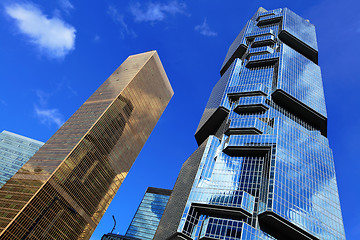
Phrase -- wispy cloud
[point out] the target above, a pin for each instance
(42, 97)
(49, 116)
(155, 12)
(205, 30)
(66, 5)
(70, 89)
(46, 115)
(119, 19)
(51, 35)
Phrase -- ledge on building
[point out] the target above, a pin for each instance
(260, 51)
(265, 15)
(243, 131)
(300, 110)
(160, 191)
(269, 20)
(250, 37)
(211, 125)
(268, 41)
(236, 96)
(281, 228)
(251, 108)
(262, 62)
(299, 46)
(247, 151)
(239, 52)
(221, 211)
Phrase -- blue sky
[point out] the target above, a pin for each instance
(55, 54)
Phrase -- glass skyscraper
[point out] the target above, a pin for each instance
(264, 168)
(147, 217)
(63, 191)
(15, 151)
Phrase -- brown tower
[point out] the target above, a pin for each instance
(65, 188)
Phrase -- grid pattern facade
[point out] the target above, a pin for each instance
(271, 148)
(301, 78)
(65, 188)
(148, 215)
(15, 151)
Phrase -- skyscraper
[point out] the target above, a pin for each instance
(15, 151)
(264, 168)
(64, 189)
(147, 217)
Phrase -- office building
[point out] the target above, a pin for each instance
(15, 151)
(147, 216)
(64, 189)
(113, 236)
(264, 168)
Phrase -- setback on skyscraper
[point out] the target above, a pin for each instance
(263, 168)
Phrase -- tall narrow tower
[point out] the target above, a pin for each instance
(65, 188)
(263, 169)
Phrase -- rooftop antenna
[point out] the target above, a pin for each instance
(114, 224)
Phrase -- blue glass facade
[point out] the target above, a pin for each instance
(266, 170)
(15, 151)
(149, 213)
(147, 216)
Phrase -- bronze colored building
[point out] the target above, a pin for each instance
(65, 188)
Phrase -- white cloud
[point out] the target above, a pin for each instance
(205, 30)
(119, 19)
(155, 12)
(70, 89)
(42, 97)
(45, 114)
(51, 35)
(66, 5)
(49, 116)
